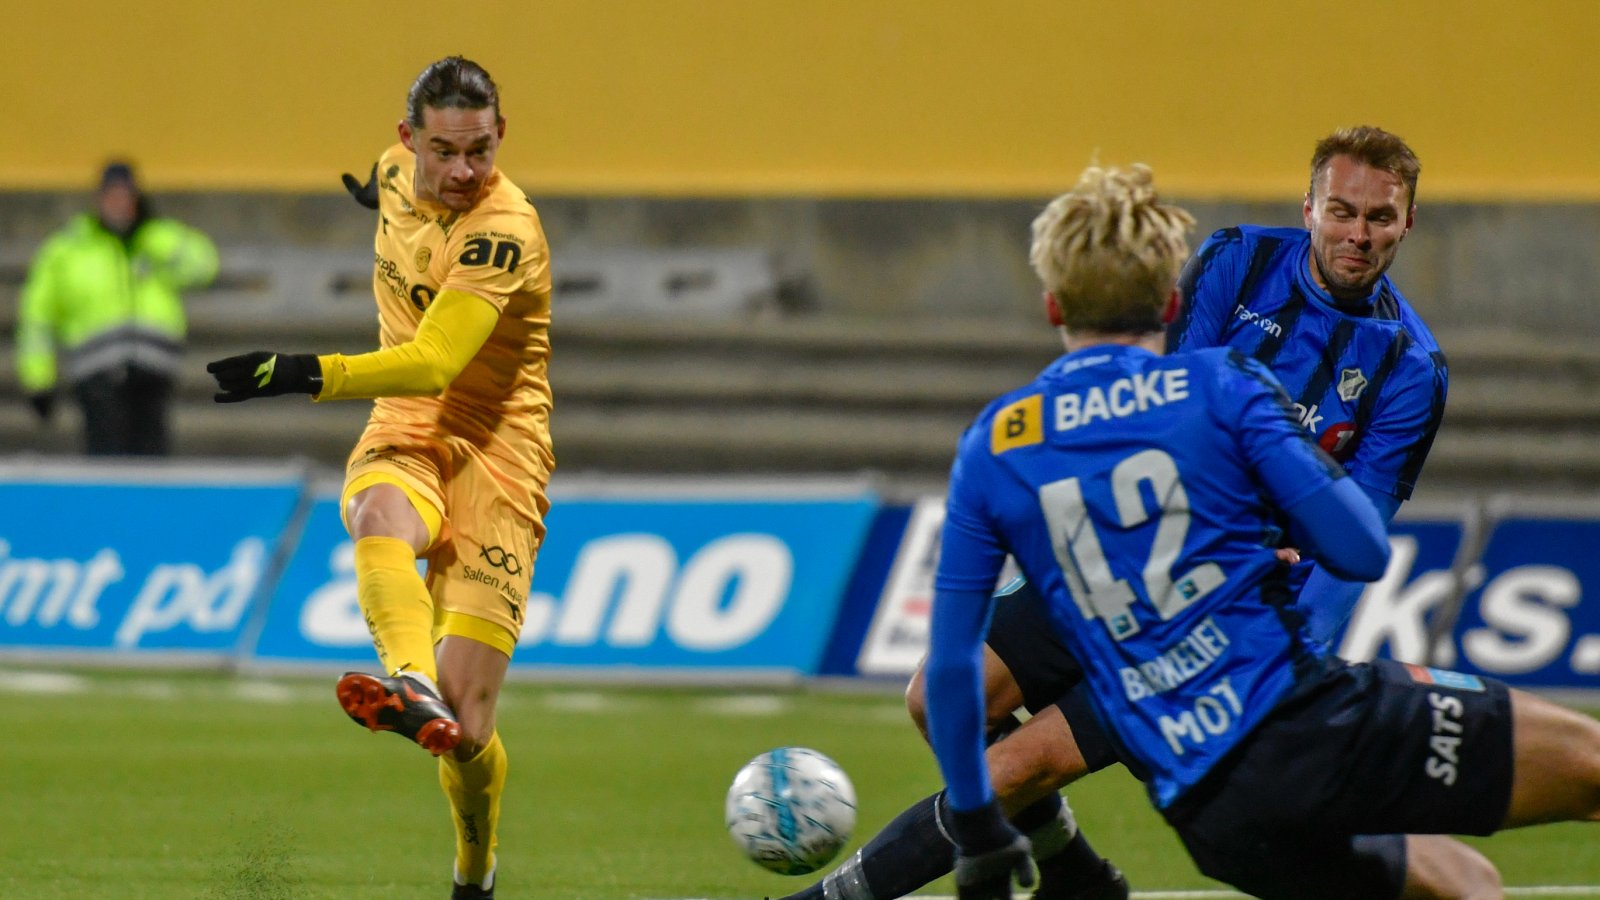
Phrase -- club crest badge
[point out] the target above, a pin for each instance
(1351, 384)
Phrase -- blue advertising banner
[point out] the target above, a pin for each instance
(1521, 617)
(1529, 619)
(692, 583)
(124, 564)
(313, 615)
(691, 577)
(1397, 611)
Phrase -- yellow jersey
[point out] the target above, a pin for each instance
(501, 401)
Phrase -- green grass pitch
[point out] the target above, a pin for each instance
(155, 785)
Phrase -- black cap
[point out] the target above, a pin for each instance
(118, 171)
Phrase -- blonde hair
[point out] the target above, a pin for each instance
(1110, 251)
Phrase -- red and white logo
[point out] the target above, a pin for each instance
(1339, 440)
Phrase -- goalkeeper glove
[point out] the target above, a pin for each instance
(988, 853)
(265, 374)
(365, 194)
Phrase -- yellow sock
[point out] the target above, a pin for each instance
(396, 605)
(473, 788)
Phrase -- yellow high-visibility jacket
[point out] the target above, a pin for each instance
(93, 301)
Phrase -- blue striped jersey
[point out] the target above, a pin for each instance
(1368, 380)
(1135, 491)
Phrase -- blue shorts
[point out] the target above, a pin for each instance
(1315, 802)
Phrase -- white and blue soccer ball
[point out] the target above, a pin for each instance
(791, 810)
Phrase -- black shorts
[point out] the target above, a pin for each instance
(1379, 749)
(1021, 634)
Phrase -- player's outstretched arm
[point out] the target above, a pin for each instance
(448, 337)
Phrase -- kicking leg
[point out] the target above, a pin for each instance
(391, 525)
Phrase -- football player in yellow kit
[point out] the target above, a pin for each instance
(454, 460)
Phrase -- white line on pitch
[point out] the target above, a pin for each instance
(1541, 891)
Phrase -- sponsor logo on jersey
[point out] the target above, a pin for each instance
(497, 556)
(1445, 759)
(1445, 678)
(1310, 416)
(1252, 317)
(1351, 384)
(1018, 425)
(502, 253)
(1339, 440)
(418, 295)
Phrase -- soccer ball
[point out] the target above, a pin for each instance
(791, 810)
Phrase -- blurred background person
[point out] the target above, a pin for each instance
(101, 313)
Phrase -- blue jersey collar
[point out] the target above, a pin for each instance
(1094, 355)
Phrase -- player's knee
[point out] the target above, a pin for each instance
(1442, 868)
(474, 709)
(1057, 769)
(383, 511)
(1026, 769)
(1477, 878)
(1490, 885)
(476, 733)
(1582, 763)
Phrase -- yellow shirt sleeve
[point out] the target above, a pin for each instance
(448, 337)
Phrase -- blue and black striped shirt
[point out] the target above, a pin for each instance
(1368, 381)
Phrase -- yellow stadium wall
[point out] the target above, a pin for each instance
(872, 98)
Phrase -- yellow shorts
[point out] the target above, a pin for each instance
(481, 562)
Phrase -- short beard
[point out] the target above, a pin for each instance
(1341, 291)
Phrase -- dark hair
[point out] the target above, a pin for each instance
(1369, 146)
(454, 82)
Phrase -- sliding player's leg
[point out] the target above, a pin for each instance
(1555, 777)
(1026, 667)
(1556, 763)
(1002, 695)
(1345, 788)
(1025, 766)
(1028, 769)
(1443, 868)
